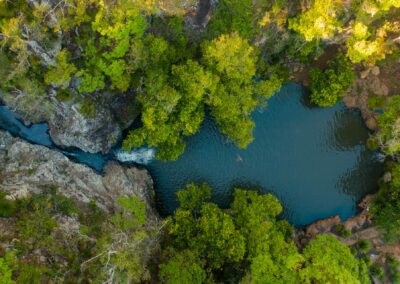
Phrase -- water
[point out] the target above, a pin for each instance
(140, 156)
(313, 159)
(39, 134)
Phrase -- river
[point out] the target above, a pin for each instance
(314, 159)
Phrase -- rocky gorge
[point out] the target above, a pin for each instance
(28, 170)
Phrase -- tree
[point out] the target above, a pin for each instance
(369, 47)
(172, 108)
(387, 138)
(273, 257)
(329, 85)
(233, 60)
(233, 16)
(61, 74)
(182, 267)
(318, 22)
(210, 232)
(386, 208)
(327, 260)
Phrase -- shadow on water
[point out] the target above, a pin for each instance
(313, 159)
(306, 156)
(363, 177)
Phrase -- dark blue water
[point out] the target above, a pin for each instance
(313, 159)
(38, 134)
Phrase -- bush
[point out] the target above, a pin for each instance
(342, 231)
(377, 271)
(363, 246)
(7, 207)
(394, 274)
(385, 209)
(329, 85)
(376, 102)
(88, 107)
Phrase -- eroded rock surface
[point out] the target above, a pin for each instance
(27, 169)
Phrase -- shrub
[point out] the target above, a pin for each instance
(377, 271)
(329, 85)
(342, 231)
(363, 246)
(394, 274)
(7, 207)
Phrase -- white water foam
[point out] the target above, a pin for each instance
(140, 156)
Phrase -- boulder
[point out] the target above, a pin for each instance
(375, 70)
(322, 226)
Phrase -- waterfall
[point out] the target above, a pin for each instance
(139, 156)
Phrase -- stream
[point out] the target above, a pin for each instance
(313, 159)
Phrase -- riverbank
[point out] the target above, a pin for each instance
(372, 85)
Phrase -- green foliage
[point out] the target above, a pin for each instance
(273, 256)
(386, 207)
(182, 267)
(7, 207)
(247, 242)
(194, 197)
(133, 213)
(233, 60)
(329, 85)
(363, 246)
(171, 109)
(318, 22)
(61, 74)
(175, 95)
(31, 273)
(342, 230)
(376, 102)
(101, 247)
(7, 262)
(233, 16)
(327, 260)
(377, 271)
(393, 267)
(88, 107)
(389, 128)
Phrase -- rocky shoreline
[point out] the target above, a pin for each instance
(27, 169)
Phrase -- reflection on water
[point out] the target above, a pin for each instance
(313, 159)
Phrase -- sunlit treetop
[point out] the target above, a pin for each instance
(319, 22)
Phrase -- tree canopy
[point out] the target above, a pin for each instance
(249, 243)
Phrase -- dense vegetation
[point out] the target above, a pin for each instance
(203, 243)
(83, 50)
(246, 243)
(51, 238)
(328, 86)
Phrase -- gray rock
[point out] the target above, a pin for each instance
(27, 169)
(70, 128)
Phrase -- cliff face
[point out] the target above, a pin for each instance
(78, 243)
(69, 127)
(27, 169)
